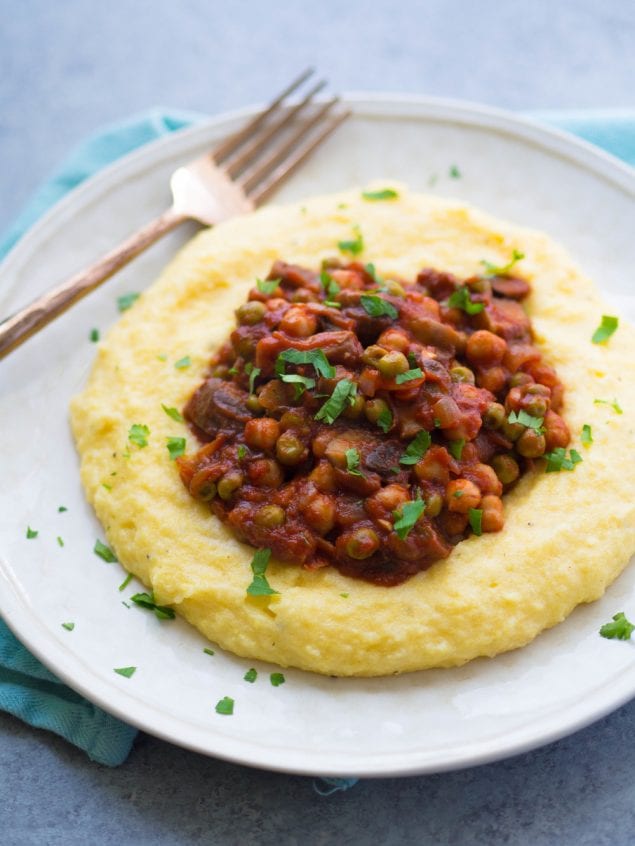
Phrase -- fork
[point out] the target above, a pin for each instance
(235, 177)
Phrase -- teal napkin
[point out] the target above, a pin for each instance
(27, 689)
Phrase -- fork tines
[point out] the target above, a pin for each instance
(278, 139)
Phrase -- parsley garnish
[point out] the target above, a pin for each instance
(225, 706)
(173, 413)
(456, 448)
(407, 516)
(475, 516)
(344, 595)
(614, 405)
(259, 585)
(208, 651)
(527, 420)
(383, 194)
(251, 675)
(301, 382)
(587, 435)
(408, 376)
(241, 452)
(557, 460)
(253, 373)
(384, 421)
(126, 582)
(31, 533)
(60, 542)
(182, 363)
(355, 246)
(352, 461)
(344, 392)
(332, 304)
(267, 286)
(417, 448)
(94, 335)
(454, 172)
(606, 328)
(68, 626)
(277, 679)
(329, 284)
(104, 552)
(502, 270)
(377, 306)
(461, 299)
(125, 301)
(619, 629)
(62, 508)
(138, 434)
(372, 272)
(162, 356)
(316, 358)
(126, 672)
(176, 447)
(146, 600)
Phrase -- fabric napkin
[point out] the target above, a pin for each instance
(27, 689)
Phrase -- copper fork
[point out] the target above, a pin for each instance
(237, 175)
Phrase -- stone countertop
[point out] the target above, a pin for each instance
(70, 67)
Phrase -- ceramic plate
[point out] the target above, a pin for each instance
(417, 723)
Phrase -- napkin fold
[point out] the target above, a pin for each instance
(27, 689)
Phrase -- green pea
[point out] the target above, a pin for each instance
(207, 492)
(269, 516)
(373, 354)
(230, 483)
(531, 444)
(289, 449)
(505, 468)
(221, 371)
(253, 404)
(537, 407)
(362, 543)
(392, 364)
(251, 313)
(434, 504)
(494, 416)
(462, 374)
(356, 409)
(519, 379)
(374, 409)
(394, 288)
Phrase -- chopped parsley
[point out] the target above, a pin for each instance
(172, 412)
(454, 172)
(383, 194)
(372, 272)
(344, 392)
(504, 269)
(259, 585)
(104, 552)
(316, 358)
(208, 651)
(301, 382)
(329, 284)
(527, 420)
(587, 435)
(31, 533)
(355, 246)
(407, 516)
(619, 629)
(332, 304)
(352, 461)
(241, 452)
(126, 301)
(456, 448)
(138, 435)
(557, 460)
(225, 706)
(277, 679)
(408, 376)
(461, 299)
(162, 357)
(614, 405)
(62, 508)
(182, 363)
(94, 335)
(384, 421)
(253, 373)
(417, 448)
(475, 516)
(251, 675)
(68, 626)
(344, 595)
(126, 582)
(377, 306)
(607, 326)
(60, 542)
(267, 286)
(126, 672)
(146, 600)
(176, 447)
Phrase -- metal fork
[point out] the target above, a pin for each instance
(237, 175)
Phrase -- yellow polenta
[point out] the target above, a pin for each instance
(567, 535)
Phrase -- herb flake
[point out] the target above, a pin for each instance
(208, 651)
(173, 413)
(557, 460)
(251, 675)
(461, 299)
(417, 448)
(104, 552)
(502, 269)
(31, 533)
(259, 585)
(384, 421)
(407, 516)
(94, 335)
(253, 373)
(126, 672)
(176, 447)
(225, 706)
(408, 376)
(344, 392)
(475, 517)
(525, 419)
(587, 435)
(277, 679)
(267, 286)
(614, 405)
(619, 629)
(138, 435)
(182, 363)
(377, 306)
(382, 194)
(455, 448)
(316, 358)
(354, 246)
(352, 461)
(126, 301)
(146, 600)
(68, 626)
(607, 327)
(126, 582)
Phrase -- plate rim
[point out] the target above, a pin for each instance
(20, 618)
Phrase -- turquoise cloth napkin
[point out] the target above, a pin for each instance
(27, 689)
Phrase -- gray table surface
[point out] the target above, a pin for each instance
(68, 67)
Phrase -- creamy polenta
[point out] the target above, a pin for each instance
(567, 534)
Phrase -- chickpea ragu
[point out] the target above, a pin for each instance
(371, 424)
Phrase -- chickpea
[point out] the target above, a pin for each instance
(432, 467)
(492, 519)
(298, 322)
(393, 339)
(512, 431)
(453, 522)
(461, 495)
(505, 468)
(303, 295)
(462, 374)
(354, 411)
(262, 433)
(229, 484)
(250, 313)
(486, 479)
(434, 504)
(320, 513)
(265, 473)
(391, 497)
(485, 348)
(290, 450)
(556, 431)
(373, 354)
(323, 477)
(253, 404)
(537, 400)
(206, 492)
(519, 379)
(374, 409)
(269, 517)
(492, 379)
(320, 443)
(531, 444)
(361, 543)
(293, 420)
(494, 416)
(392, 364)
(245, 347)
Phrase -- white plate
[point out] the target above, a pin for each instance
(422, 722)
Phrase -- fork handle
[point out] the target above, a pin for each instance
(29, 320)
